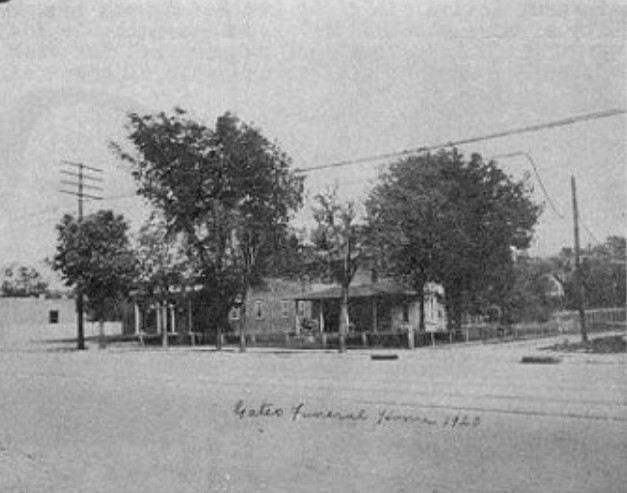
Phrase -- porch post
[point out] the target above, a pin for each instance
(138, 318)
(172, 318)
(163, 310)
(375, 315)
(321, 316)
(158, 313)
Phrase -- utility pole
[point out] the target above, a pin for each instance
(579, 293)
(80, 173)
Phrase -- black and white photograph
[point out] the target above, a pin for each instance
(297, 246)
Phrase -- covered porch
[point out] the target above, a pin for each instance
(377, 307)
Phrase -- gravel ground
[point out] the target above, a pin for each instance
(462, 419)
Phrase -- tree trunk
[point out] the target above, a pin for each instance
(242, 326)
(344, 319)
(164, 325)
(453, 302)
(222, 320)
(101, 334)
(219, 337)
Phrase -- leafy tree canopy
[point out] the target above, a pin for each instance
(602, 270)
(161, 261)
(227, 191)
(452, 221)
(339, 242)
(338, 238)
(94, 254)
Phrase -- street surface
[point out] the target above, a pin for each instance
(463, 419)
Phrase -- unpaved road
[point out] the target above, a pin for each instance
(469, 419)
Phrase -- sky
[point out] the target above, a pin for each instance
(329, 81)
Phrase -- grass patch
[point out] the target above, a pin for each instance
(614, 344)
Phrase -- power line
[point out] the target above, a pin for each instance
(537, 173)
(82, 173)
(417, 150)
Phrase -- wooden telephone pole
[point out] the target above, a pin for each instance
(80, 173)
(579, 291)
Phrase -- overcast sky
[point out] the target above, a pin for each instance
(329, 81)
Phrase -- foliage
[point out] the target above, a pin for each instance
(22, 282)
(94, 255)
(227, 191)
(602, 270)
(603, 274)
(161, 263)
(339, 241)
(442, 219)
(292, 256)
(536, 292)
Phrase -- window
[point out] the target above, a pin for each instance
(285, 308)
(235, 313)
(259, 310)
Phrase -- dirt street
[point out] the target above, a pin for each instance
(468, 419)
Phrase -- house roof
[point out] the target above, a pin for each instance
(389, 288)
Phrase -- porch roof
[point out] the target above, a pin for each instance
(361, 291)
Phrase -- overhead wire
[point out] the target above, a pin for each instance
(496, 135)
(538, 177)
(590, 233)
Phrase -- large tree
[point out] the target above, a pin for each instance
(339, 242)
(456, 222)
(602, 271)
(94, 256)
(228, 191)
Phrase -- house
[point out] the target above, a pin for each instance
(36, 311)
(41, 318)
(380, 306)
(268, 308)
(282, 307)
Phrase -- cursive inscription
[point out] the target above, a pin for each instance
(383, 416)
(299, 412)
(264, 410)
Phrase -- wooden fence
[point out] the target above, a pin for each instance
(561, 323)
